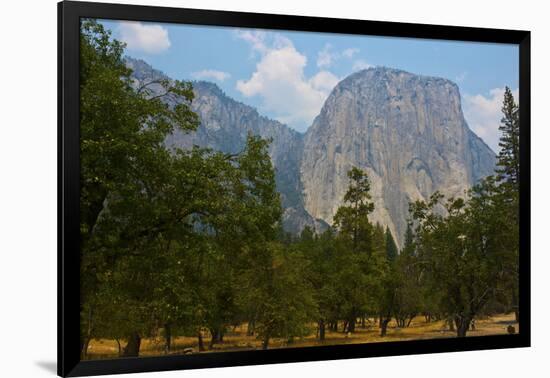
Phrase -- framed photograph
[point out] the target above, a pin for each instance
(240, 188)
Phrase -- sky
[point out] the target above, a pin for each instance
(288, 75)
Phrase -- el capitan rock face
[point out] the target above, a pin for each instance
(407, 131)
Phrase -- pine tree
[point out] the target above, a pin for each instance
(508, 175)
(351, 219)
(508, 157)
(391, 247)
(408, 246)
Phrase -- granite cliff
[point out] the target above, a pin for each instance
(407, 131)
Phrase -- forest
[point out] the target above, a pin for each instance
(189, 243)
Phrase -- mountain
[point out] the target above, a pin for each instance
(407, 131)
(225, 124)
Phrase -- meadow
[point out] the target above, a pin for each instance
(237, 339)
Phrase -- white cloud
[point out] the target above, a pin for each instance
(326, 57)
(349, 53)
(279, 80)
(483, 114)
(255, 38)
(144, 37)
(324, 81)
(360, 64)
(211, 74)
(261, 42)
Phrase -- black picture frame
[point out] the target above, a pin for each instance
(69, 14)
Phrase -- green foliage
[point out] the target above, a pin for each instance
(391, 247)
(121, 129)
(464, 254)
(282, 296)
(360, 252)
(508, 174)
(508, 157)
(123, 164)
(351, 219)
(414, 296)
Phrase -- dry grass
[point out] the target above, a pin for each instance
(238, 340)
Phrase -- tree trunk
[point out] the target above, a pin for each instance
(167, 338)
(363, 324)
(213, 338)
(119, 348)
(201, 343)
(132, 348)
(322, 330)
(250, 328)
(410, 321)
(515, 305)
(351, 325)
(384, 327)
(265, 342)
(85, 347)
(217, 336)
(84, 343)
(462, 326)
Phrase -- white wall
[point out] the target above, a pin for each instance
(28, 186)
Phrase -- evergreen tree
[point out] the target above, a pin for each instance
(409, 294)
(508, 173)
(391, 247)
(408, 246)
(359, 268)
(508, 157)
(351, 219)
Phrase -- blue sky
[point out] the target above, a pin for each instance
(288, 75)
